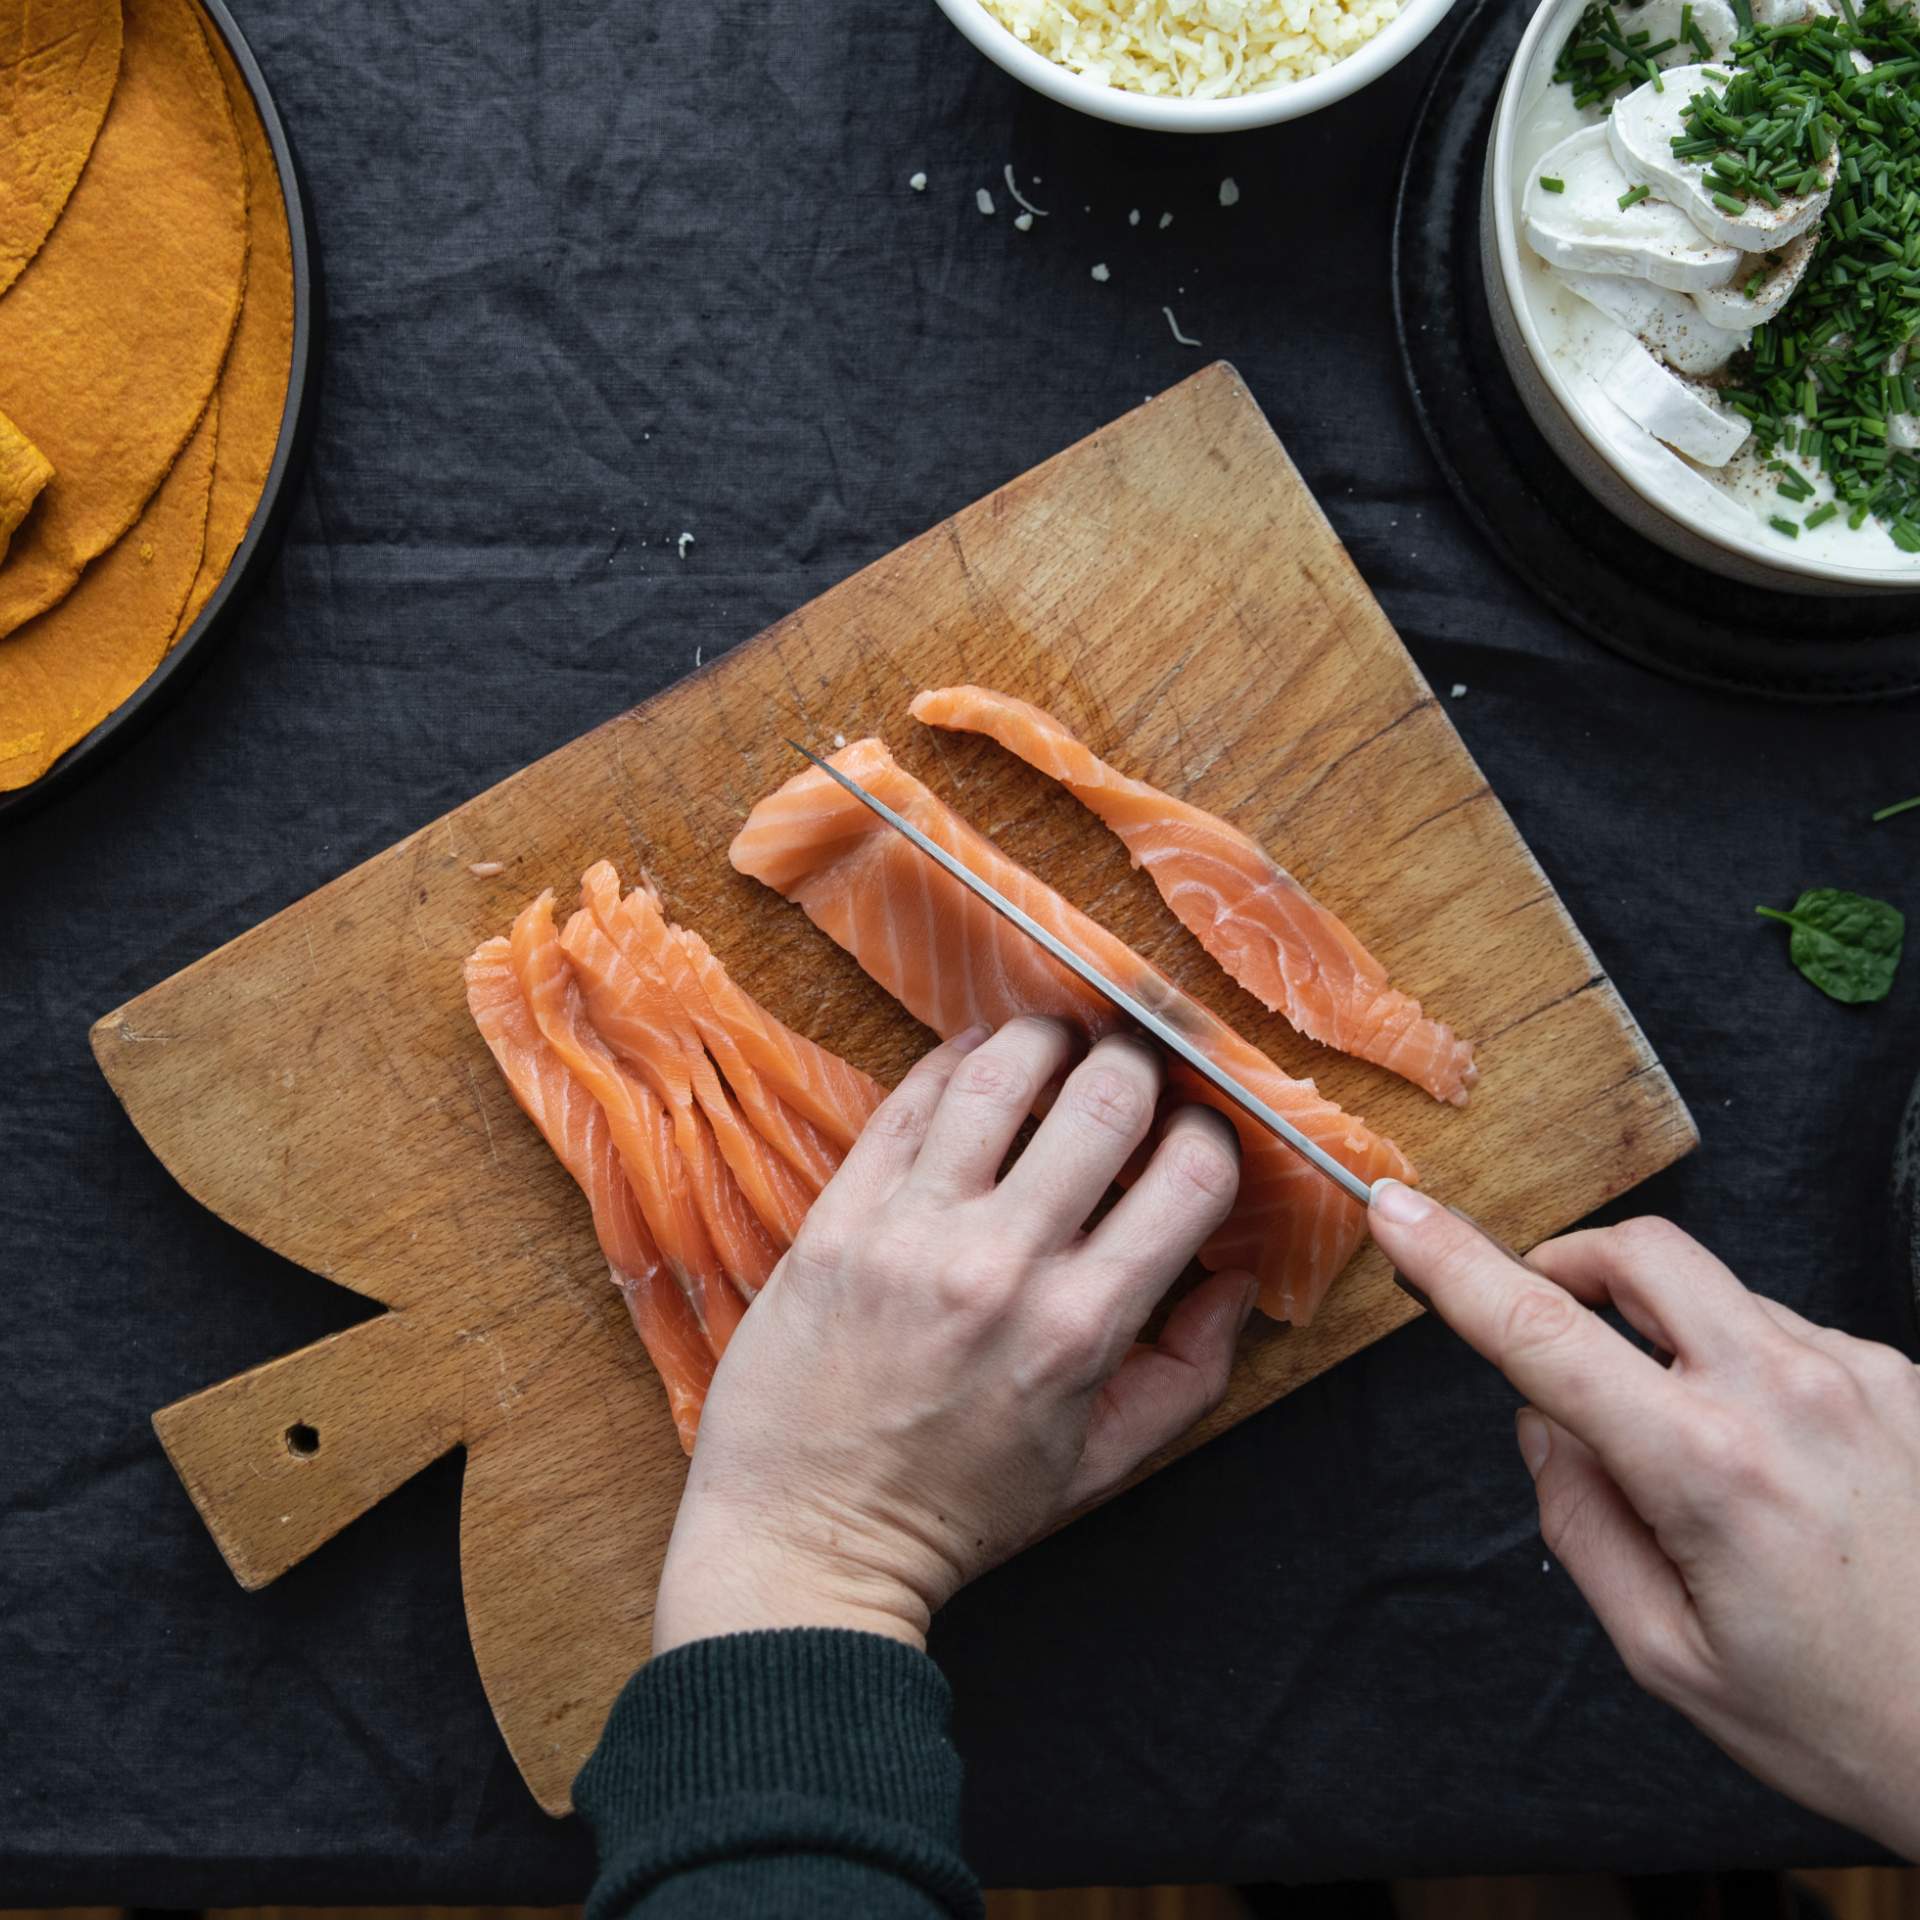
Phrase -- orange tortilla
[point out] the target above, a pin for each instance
(23, 472)
(253, 383)
(58, 62)
(66, 671)
(111, 341)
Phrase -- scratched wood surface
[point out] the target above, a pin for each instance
(1169, 587)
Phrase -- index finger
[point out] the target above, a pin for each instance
(889, 1143)
(1567, 1361)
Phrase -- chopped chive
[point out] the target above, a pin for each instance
(1780, 525)
(1550, 185)
(1899, 806)
(1634, 195)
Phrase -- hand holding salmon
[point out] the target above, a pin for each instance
(946, 1362)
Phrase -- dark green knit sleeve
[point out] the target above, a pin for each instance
(805, 1774)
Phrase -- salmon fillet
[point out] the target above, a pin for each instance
(573, 1125)
(642, 1130)
(637, 1013)
(807, 1103)
(952, 961)
(1291, 953)
(639, 1031)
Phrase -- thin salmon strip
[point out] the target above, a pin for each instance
(1288, 951)
(650, 1028)
(763, 1061)
(619, 1005)
(642, 1130)
(573, 1125)
(952, 961)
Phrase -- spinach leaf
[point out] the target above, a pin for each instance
(1846, 944)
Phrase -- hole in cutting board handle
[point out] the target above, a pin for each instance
(303, 1441)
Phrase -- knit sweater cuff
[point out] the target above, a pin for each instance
(811, 1741)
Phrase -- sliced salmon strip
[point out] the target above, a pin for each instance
(642, 1130)
(650, 1029)
(807, 1103)
(618, 1004)
(1296, 956)
(952, 961)
(573, 1125)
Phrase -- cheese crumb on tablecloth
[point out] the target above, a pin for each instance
(1100, 272)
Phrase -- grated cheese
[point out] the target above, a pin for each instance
(917, 181)
(1024, 221)
(683, 543)
(1014, 189)
(1184, 340)
(1229, 192)
(984, 201)
(1166, 220)
(1194, 49)
(1101, 274)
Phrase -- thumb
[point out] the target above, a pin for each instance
(1591, 1528)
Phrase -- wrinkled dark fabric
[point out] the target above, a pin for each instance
(602, 273)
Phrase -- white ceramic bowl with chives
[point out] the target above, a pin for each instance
(1172, 113)
(1520, 293)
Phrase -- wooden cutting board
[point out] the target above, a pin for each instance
(1171, 589)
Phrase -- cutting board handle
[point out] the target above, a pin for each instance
(280, 1459)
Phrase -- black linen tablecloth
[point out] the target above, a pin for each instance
(604, 272)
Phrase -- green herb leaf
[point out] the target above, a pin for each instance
(1845, 943)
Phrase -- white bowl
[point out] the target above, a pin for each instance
(1513, 288)
(1163, 114)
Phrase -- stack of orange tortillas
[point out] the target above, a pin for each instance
(146, 330)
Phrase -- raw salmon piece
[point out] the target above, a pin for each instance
(573, 1125)
(1260, 923)
(952, 961)
(652, 1027)
(617, 1004)
(808, 1104)
(641, 1128)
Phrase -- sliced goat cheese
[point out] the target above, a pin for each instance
(1641, 130)
(1683, 489)
(1660, 20)
(1584, 229)
(1764, 284)
(1673, 410)
(1666, 321)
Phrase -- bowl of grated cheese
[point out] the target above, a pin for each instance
(1196, 66)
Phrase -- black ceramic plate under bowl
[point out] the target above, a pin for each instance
(189, 654)
(1592, 569)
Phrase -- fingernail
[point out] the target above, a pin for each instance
(1536, 1442)
(1394, 1200)
(1247, 1302)
(966, 1041)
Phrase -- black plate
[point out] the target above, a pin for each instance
(191, 651)
(1590, 568)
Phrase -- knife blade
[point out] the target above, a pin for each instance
(1115, 995)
